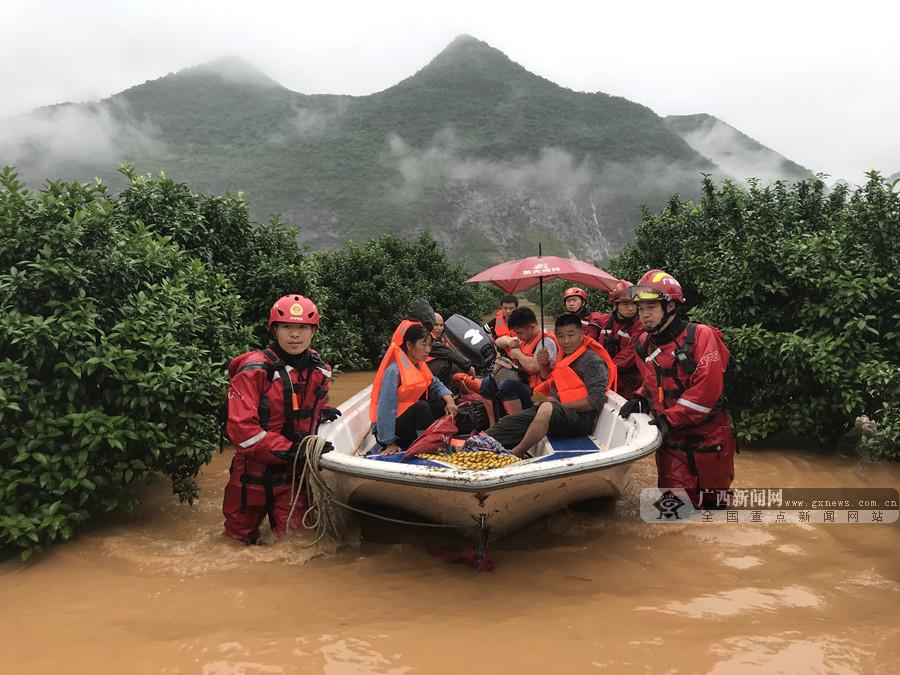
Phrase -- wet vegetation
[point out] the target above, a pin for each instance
(120, 313)
(804, 283)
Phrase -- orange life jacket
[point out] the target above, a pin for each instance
(500, 327)
(569, 386)
(414, 379)
(534, 379)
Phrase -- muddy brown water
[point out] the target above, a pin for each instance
(581, 591)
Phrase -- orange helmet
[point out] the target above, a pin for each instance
(619, 293)
(294, 309)
(575, 292)
(657, 285)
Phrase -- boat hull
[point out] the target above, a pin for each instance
(498, 500)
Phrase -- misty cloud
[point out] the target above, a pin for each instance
(730, 150)
(554, 191)
(53, 138)
(310, 121)
(554, 171)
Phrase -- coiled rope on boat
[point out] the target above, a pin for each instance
(321, 514)
(327, 520)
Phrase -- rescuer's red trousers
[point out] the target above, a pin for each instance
(701, 461)
(243, 524)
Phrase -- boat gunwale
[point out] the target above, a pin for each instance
(468, 480)
(480, 483)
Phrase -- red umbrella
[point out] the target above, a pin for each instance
(520, 275)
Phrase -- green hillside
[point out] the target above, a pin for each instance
(488, 156)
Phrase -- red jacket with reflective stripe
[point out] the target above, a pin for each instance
(619, 338)
(688, 399)
(252, 392)
(592, 325)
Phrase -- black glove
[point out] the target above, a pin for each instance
(288, 455)
(662, 423)
(329, 414)
(638, 404)
(328, 447)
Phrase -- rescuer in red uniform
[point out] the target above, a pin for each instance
(575, 301)
(277, 397)
(618, 332)
(684, 372)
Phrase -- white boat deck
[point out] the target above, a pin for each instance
(561, 471)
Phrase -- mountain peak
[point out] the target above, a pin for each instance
(471, 64)
(233, 69)
(467, 48)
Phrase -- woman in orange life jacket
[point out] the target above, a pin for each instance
(527, 341)
(497, 327)
(576, 302)
(619, 331)
(683, 370)
(399, 407)
(568, 407)
(277, 396)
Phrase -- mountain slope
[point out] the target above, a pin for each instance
(738, 155)
(490, 157)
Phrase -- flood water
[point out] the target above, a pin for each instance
(586, 590)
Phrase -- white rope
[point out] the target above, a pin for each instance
(327, 520)
(319, 515)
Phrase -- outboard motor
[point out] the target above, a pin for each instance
(470, 339)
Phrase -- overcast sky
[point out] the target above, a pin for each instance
(817, 81)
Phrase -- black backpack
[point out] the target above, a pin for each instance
(472, 417)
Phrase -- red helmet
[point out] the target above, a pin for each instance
(619, 293)
(294, 309)
(575, 292)
(657, 285)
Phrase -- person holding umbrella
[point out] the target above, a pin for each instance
(569, 399)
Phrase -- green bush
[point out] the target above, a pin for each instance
(804, 283)
(371, 285)
(112, 346)
(262, 261)
(121, 313)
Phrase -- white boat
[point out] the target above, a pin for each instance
(486, 503)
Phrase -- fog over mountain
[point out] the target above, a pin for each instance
(489, 157)
(736, 154)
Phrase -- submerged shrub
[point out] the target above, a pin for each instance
(804, 283)
(113, 341)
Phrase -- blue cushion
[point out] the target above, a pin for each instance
(397, 458)
(583, 443)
